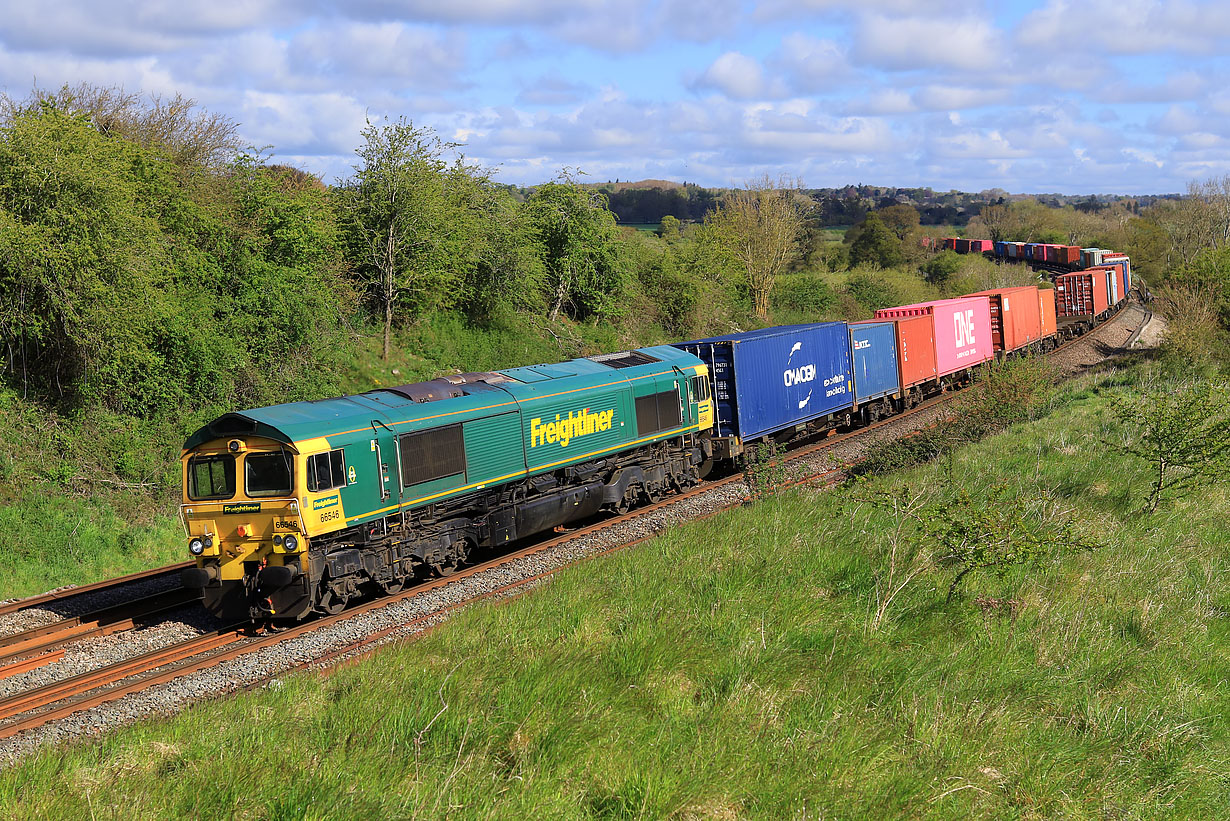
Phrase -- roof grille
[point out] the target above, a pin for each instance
(625, 359)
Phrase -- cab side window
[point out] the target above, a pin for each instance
(326, 471)
(700, 388)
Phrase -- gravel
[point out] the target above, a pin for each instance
(266, 664)
(79, 604)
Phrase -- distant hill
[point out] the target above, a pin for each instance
(643, 202)
(613, 187)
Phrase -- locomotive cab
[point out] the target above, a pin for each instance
(245, 527)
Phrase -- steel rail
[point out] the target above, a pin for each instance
(67, 593)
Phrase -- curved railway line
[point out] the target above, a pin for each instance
(232, 658)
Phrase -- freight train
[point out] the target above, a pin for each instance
(299, 508)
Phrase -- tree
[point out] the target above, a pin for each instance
(902, 220)
(579, 246)
(875, 244)
(758, 227)
(1184, 435)
(406, 232)
(176, 127)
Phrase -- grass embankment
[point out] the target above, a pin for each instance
(734, 668)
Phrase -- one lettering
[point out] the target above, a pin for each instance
(963, 328)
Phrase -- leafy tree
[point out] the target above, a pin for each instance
(875, 244)
(189, 136)
(410, 238)
(577, 238)
(996, 533)
(758, 227)
(133, 282)
(1183, 433)
(940, 268)
(505, 270)
(81, 264)
(902, 220)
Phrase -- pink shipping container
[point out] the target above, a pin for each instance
(915, 348)
(1081, 293)
(1016, 317)
(962, 331)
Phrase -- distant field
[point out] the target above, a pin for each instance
(734, 668)
(642, 226)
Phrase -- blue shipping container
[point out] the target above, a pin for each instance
(775, 378)
(873, 360)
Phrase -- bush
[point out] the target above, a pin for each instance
(804, 292)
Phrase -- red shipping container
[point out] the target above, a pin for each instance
(915, 348)
(1070, 254)
(962, 331)
(1081, 293)
(1046, 306)
(1016, 317)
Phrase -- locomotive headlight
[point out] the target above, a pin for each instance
(196, 547)
(209, 540)
(277, 540)
(290, 543)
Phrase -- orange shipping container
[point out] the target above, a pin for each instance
(1016, 317)
(1082, 293)
(1046, 302)
(915, 348)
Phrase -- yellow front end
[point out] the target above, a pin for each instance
(242, 513)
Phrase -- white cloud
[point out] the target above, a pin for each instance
(920, 43)
(947, 98)
(418, 56)
(1178, 120)
(737, 76)
(1128, 26)
(811, 64)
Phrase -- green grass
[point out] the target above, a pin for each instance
(733, 668)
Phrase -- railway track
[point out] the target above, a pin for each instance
(38, 646)
(359, 630)
(68, 594)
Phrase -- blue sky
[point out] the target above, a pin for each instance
(1100, 96)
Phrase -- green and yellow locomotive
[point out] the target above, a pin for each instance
(300, 507)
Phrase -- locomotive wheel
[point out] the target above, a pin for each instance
(458, 559)
(331, 603)
(393, 586)
(706, 467)
(629, 499)
(654, 496)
